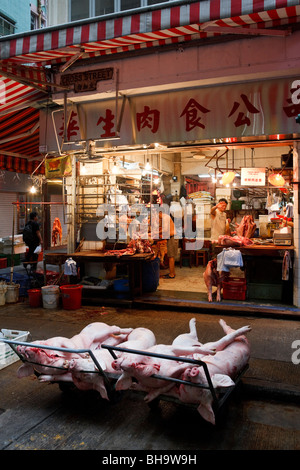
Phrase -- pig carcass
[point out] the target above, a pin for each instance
(231, 358)
(83, 370)
(213, 278)
(91, 337)
(142, 366)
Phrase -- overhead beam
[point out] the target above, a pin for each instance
(246, 31)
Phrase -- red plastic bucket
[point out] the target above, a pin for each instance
(35, 297)
(71, 296)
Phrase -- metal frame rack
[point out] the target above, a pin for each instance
(218, 397)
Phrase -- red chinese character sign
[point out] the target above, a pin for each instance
(253, 177)
(264, 108)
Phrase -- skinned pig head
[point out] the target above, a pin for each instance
(134, 367)
(202, 396)
(43, 361)
(84, 376)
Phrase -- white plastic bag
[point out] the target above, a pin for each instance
(38, 249)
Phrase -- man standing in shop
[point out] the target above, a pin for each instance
(33, 238)
(219, 222)
(164, 229)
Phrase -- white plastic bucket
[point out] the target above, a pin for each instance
(3, 289)
(12, 293)
(50, 296)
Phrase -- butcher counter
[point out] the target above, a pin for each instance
(263, 265)
(134, 263)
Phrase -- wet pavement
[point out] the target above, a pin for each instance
(263, 414)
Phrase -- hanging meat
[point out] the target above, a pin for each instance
(247, 227)
(56, 231)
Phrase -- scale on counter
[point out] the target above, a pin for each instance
(281, 238)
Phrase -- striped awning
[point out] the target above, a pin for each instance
(24, 57)
(19, 135)
(149, 27)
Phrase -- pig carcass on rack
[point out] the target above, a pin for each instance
(225, 359)
(142, 367)
(187, 370)
(47, 361)
(231, 358)
(83, 370)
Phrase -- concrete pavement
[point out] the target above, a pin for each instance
(275, 343)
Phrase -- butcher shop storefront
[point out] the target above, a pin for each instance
(132, 136)
(254, 173)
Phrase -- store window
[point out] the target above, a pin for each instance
(130, 4)
(79, 10)
(104, 7)
(154, 2)
(6, 26)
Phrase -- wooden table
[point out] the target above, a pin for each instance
(263, 267)
(134, 263)
(260, 250)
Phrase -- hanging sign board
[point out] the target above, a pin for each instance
(227, 112)
(86, 81)
(58, 167)
(253, 177)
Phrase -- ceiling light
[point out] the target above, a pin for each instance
(148, 166)
(83, 169)
(276, 179)
(228, 177)
(199, 156)
(33, 189)
(115, 169)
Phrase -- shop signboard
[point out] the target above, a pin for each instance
(253, 177)
(218, 113)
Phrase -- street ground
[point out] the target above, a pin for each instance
(263, 414)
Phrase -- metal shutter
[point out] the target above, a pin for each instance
(6, 211)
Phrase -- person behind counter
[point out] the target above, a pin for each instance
(219, 223)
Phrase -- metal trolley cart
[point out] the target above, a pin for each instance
(219, 397)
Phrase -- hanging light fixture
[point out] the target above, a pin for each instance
(33, 189)
(148, 166)
(276, 179)
(115, 169)
(228, 177)
(83, 169)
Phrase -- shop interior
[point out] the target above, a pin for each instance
(256, 180)
(194, 177)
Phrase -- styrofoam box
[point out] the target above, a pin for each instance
(7, 355)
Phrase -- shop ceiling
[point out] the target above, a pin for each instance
(27, 60)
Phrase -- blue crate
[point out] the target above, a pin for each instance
(21, 279)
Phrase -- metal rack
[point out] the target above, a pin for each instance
(219, 398)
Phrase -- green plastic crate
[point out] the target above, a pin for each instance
(264, 291)
(17, 259)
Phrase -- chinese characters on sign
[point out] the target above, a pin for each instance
(191, 115)
(253, 177)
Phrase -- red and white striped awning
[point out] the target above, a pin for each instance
(149, 27)
(19, 136)
(128, 31)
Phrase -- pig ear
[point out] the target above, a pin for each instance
(25, 370)
(221, 380)
(124, 382)
(206, 411)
